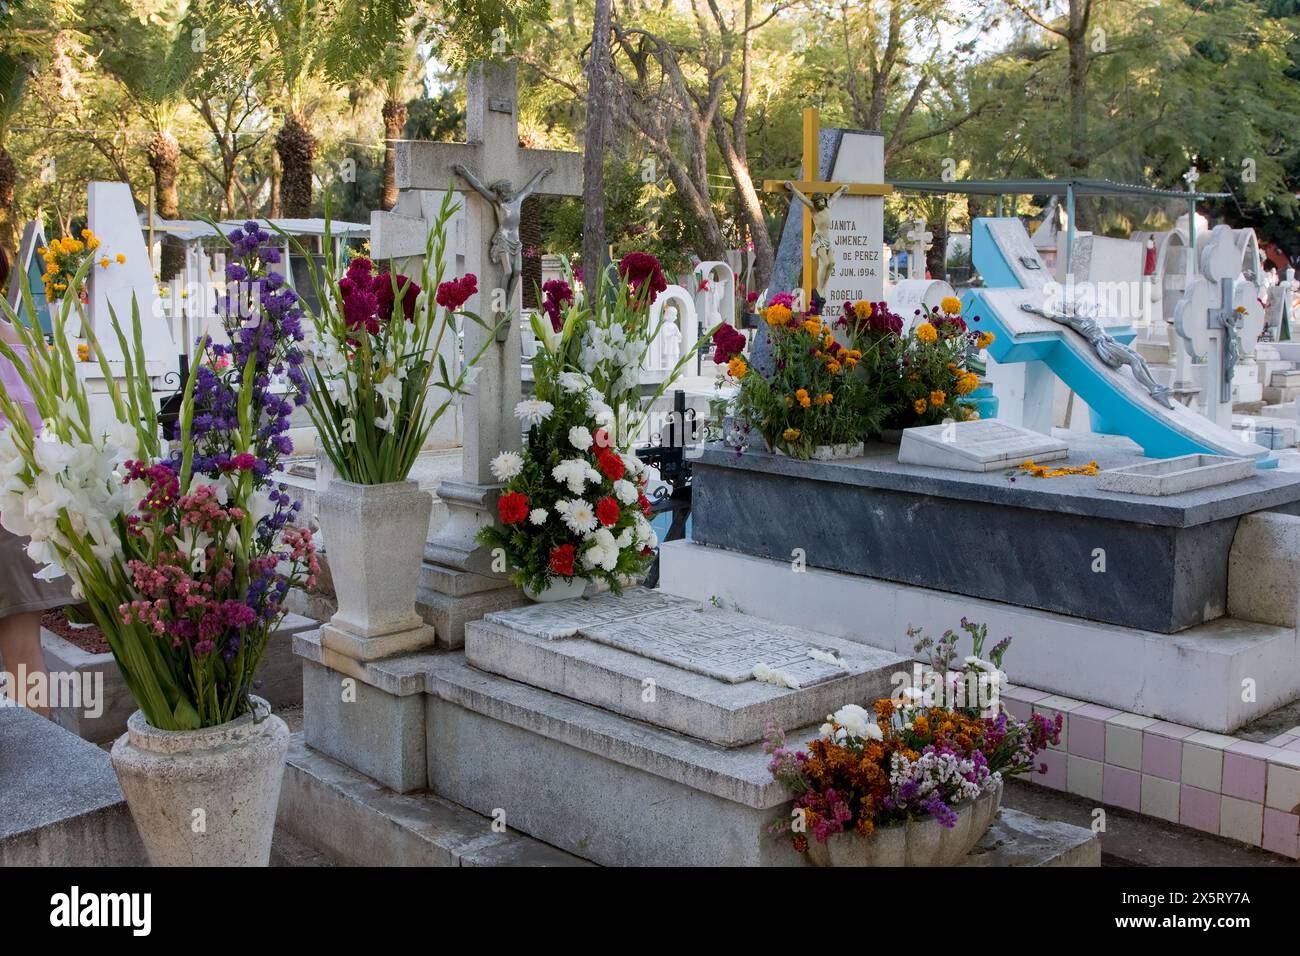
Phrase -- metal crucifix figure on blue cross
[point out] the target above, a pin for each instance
(1088, 350)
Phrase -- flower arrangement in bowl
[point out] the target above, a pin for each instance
(379, 384)
(915, 781)
(183, 555)
(574, 507)
(933, 378)
(821, 396)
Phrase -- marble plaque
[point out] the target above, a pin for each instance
(988, 445)
(719, 644)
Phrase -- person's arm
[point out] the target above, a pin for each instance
(837, 194)
(798, 195)
(534, 182)
(473, 181)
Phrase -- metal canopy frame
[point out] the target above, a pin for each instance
(1069, 188)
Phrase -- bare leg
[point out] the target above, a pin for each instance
(20, 648)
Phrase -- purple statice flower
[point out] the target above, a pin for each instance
(945, 814)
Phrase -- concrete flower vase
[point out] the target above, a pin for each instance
(374, 536)
(204, 797)
(922, 842)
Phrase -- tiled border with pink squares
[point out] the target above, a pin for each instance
(1223, 785)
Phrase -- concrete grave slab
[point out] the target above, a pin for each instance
(687, 668)
(977, 446)
(1171, 476)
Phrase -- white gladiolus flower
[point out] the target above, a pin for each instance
(506, 465)
(385, 422)
(537, 516)
(578, 515)
(574, 382)
(533, 411)
(580, 437)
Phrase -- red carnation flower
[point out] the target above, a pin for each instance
(562, 560)
(454, 293)
(600, 439)
(607, 511)
(513, 508)
(644, 502)
(610, 465)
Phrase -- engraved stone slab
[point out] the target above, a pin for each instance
(987, 445)
(678, 664)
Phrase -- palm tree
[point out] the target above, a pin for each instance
(29, 32)
(153, 60)
(377, 43)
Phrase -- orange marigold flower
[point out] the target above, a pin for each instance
(951, 305)
(937, 397)
(777, 314)
(985, 340)
(812, 326)
(927, 333)
(737, 368)
(790, 434)
(919, 406)
(833, 367)
(862, 310)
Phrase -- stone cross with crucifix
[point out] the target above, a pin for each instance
(841, 247)
(493, 176)
(918, 240)
(1227, 350)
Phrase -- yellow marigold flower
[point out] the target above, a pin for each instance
(83, 352)
(790, 434)
(951, 305)
(985, 340)
(789, 401)
(41, 250)
(737, 368)
(862, 309)
(121, 259)
(812, 326)
(937, 397)
(919, 406)
(801, 396)
(833, 367)
(827, 398)
(777, 314)
(927, 333)
(86, 234)
(93, 243)
(103, 263)
(51, 269)
(967, 382)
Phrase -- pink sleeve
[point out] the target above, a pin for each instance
(17, 389)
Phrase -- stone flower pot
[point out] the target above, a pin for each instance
(922, 842)
(558, 589)
(204, 797)
(374, 538)
(831, 452)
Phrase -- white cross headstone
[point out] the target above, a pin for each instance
(112, 218)
(918, 243)
(493, 157)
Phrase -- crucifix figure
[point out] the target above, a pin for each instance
(1109, 349)
(918, 244)
(863, 239)
(1226, 320)
(823, 253)
(506, 248)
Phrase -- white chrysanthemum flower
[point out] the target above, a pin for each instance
(537, 516)
(533, 411)
(858, 722)
(602, 552)
(577, 514)
(580, 437)
(625, 491)
(506, 465)
(574, 473)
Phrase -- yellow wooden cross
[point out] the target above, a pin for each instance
(811, 165)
